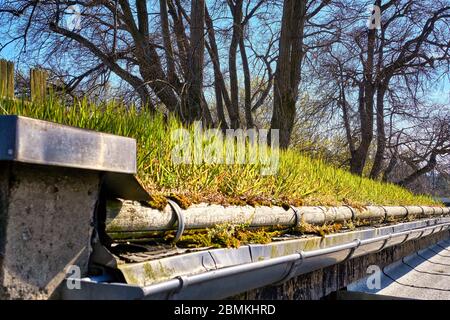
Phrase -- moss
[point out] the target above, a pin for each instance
(195, 240)
(323, 230)
(132, 235)
(238, 201)
(148, 272)
(156, 202)
(130, 276)
(262, 236)
(163, 271)
(354, 204)
(159, 201)
(286, 203)
(297, 202)
(312, 244)
(255, 201)
(349, 225)
(181, 200)
(225, 236)
(156, 272)
(408, 218)
(113, 227)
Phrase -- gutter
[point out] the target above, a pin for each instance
(234, 280)
(225, 281)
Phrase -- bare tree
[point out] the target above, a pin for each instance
(422, 145)
(370, 67)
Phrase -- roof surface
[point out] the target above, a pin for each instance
(424, 275)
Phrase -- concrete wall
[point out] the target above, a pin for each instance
(46, 224)
(320, 283)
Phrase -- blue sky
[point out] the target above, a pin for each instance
(8, 53)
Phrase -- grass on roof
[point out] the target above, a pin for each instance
(300, 180)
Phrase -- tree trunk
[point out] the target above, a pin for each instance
(144, 95)
(287, 75)
(194, 110)
(416, 174)
(150, 66)
(220, 88)
(358, 160)
(181, 38)
(171, 73)
(390, 168)
(381, 135)
(346, 118)
(232, 63)
(247, 83)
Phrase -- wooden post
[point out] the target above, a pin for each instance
(6, 79)
(2, 77)
(38, 80)
(10, 80)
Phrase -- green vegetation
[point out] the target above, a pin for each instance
(300, 180)
(227, 236)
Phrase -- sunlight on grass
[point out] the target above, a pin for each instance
(300, 180)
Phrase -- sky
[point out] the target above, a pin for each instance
(8, 52)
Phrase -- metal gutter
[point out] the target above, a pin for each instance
(227, 282)
(257, 269)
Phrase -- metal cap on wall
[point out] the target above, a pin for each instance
(32, 141)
